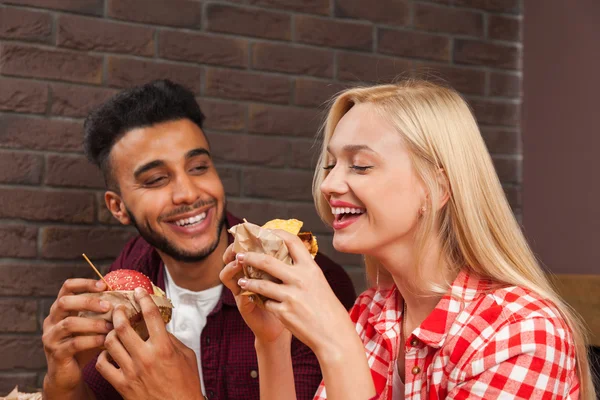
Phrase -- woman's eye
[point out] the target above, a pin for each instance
(329, 167)
(360, 168)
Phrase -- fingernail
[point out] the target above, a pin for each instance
(140, 291)
(105, 305)
(100, 284)
(240, 257)
(242, 282)
(109, 326)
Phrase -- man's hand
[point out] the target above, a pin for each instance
(69, 341)
(160, 368)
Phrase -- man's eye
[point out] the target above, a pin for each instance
(361, 168)
(199, 168)
(155, 181)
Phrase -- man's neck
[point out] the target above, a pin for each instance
(199, 275)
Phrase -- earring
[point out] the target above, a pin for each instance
(423, 210)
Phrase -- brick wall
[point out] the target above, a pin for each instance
(261, 70)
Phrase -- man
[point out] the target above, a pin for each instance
(156, 160)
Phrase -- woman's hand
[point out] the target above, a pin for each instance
(303, 302)
(266, 327)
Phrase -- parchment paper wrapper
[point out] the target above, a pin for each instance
(16, 395)
(250, 237)
(133, 311)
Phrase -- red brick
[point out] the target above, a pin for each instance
(231, 180)
(82, 33)
(490, 112)
(103, 215)
(304, 6)
(97, 243)
(504, 28)
(23, 96)
(389, 12)
(248, 21)
(72, 171)
(240, 85)
(77, 101)
(39, 134)
(370, 68)
(18, 167)
(507, 85)
(256, 211)
(203, 48)
(508, 169)
(307, 213)
(223, 115)
(334, 33)
(465, 80)
(23, 279)
(345, 259)
(92, 7)
(304, 154)
(292, 59)
(8, 380)
(127, 72)
(33, 62)
(243, 149)
(434, 18)
(181, 13)
(292, 121)
(501, 140)
(315, 93)
(413, 44)
(486, 54)
(28, 25)
(21, 352)
(45, 205)
(503, 6)
(18, 241)
(277, 184)
(18, 315)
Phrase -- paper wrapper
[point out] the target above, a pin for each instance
(16, 395)
(133, 311)
(253, 238)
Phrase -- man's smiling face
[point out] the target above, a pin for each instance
(170, 189)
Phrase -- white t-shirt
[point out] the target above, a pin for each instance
(190, 310)
(397, 385)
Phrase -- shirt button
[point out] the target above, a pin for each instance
(416, 370)
(254, 374)
(414, 342)
(207, 340)
(211, 394)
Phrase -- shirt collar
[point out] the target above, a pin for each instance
(386, 313)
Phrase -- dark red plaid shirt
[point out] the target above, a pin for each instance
(229, 364)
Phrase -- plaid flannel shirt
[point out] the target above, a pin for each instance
(480, 342)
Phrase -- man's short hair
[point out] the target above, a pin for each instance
(137, 107)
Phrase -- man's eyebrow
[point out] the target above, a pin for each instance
(148, 166)
(197, 152)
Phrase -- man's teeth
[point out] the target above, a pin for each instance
(346, 210)
(192, 220)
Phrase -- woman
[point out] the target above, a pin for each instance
(460, 309)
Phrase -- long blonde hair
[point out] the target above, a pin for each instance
(476, 226)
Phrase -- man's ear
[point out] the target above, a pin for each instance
(116, 206)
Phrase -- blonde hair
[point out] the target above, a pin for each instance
(476, 227)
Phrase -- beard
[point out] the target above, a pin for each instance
(161, 243)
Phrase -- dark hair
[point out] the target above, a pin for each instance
(137, 107)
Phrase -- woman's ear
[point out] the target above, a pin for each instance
(117, 208)
(444, 186)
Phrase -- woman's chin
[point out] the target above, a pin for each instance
(345, 246)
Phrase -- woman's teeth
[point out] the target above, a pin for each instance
(346, 210)
(191, 221)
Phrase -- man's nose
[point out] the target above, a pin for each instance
(184, 191)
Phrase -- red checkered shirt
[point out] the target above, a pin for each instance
(480, 342)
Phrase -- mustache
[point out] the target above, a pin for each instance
(185, 209)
